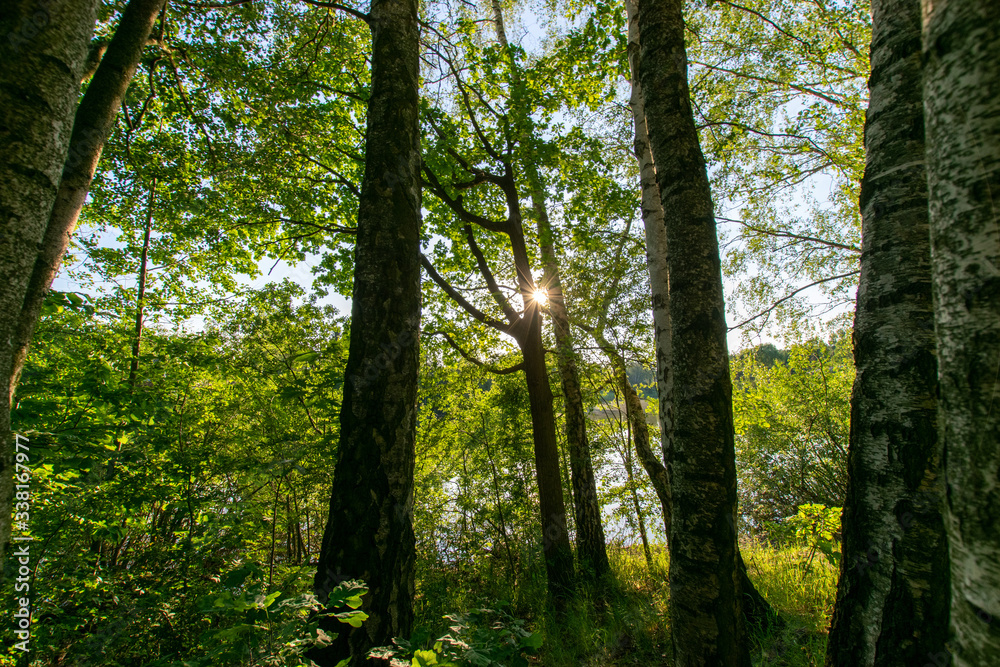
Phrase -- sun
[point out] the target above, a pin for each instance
(541, 296)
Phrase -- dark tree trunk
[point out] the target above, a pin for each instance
(590, 543)
(555, 538)
(892, 602)
(961, 49)
(140, 300)
(591, 548)
(557, 551)
(43, 50)
(757, 611)
(705, 600)
(526, 329)
(369, 533)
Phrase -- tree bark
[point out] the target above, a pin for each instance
(892, 602)
(369, 533)
(757, 611)
(961, 49)
(93, 122)
(43, 48)
(590, 542)
(705, 599)
(656, 239)
(557, 550)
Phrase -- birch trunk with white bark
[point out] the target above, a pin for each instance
(892, 602)
(961, 52)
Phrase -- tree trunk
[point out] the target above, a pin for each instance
(369, 533)
(892, 602)
(557, 551)
(757, 611)
(633, 490)
(636, 416)
(962, 106)
(705, 601)
(591, 548)
(656, 240)
(43, 48)
(526, 329)
(140, 300)
(555, 538)
(93, 122)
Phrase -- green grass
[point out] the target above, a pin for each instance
(626, 622)
(803, 588)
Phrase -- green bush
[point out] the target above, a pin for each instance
(479, 638)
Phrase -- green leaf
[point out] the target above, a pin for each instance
(532, 641)
(422, 658)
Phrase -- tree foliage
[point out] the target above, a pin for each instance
(792, 421)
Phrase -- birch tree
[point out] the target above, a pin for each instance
(961, 48)
(892, 603)
(44, 50)
(705, 601)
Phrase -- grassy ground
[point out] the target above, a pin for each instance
(803, 589)
(630, 625)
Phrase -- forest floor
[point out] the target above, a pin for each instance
(631, 626)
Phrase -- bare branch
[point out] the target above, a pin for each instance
(772, 135)
(774, 82)
(790, 235)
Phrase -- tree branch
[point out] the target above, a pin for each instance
(774, 82)
(468, 357)
(455, 204)
(460, 300)
(809, 47)
(790, 235)
(349, 10)
(780, 301)
(491, 282)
